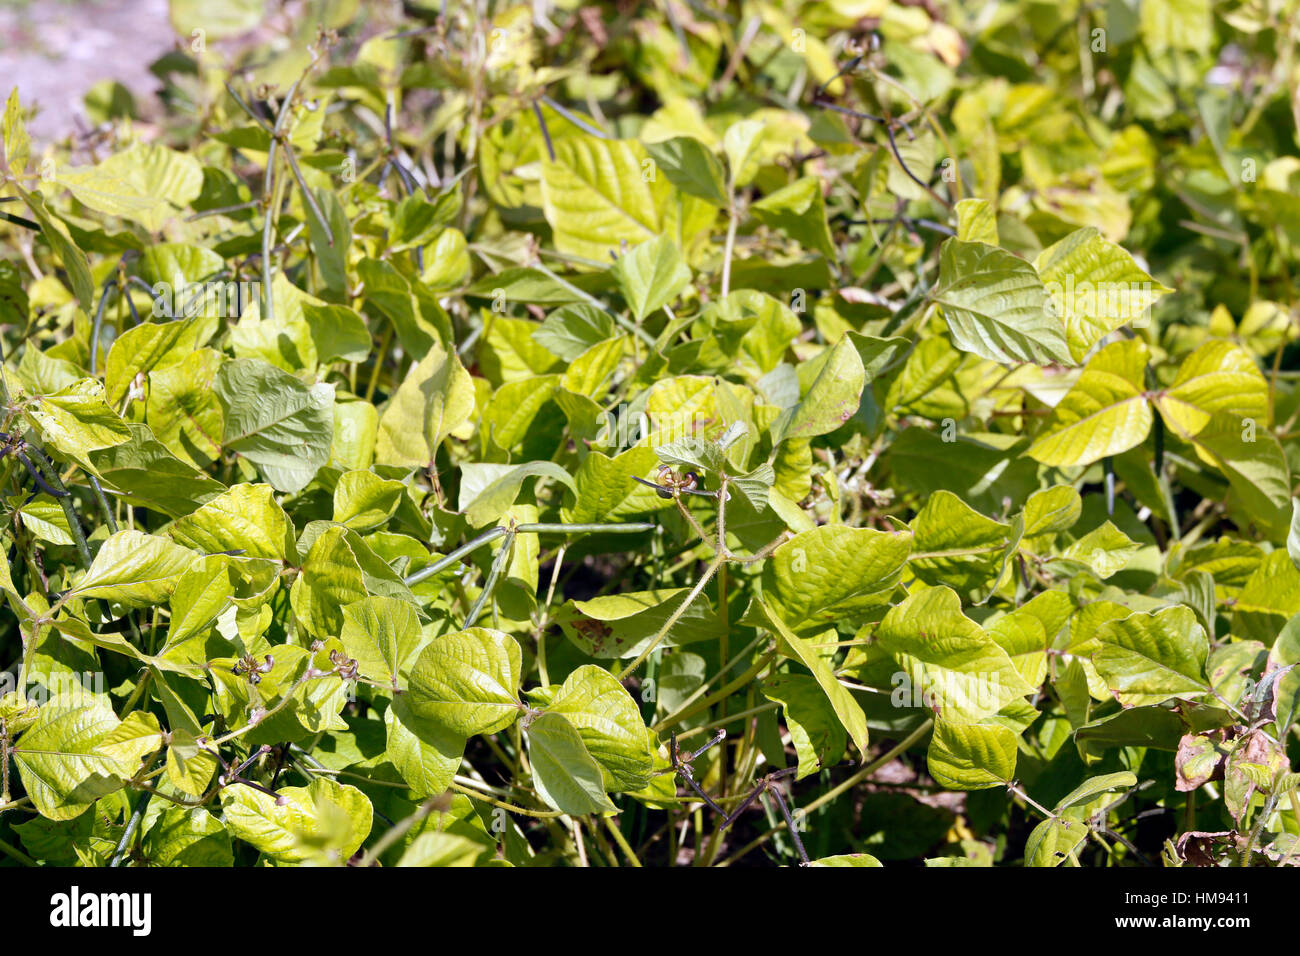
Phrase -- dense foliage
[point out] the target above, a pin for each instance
(662, 434)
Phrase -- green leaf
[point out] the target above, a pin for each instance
(43, 517)
(977, 221)
(971, 756)
(1284, 653)
(1095, 287)
(332, 260)
(434, 399)
(1269, 598)
(1104, 551)
(690, 451)
(1166, 25)
(1149, 658)
(188, 836)
(1105, 413)
(467, 682)
(325, 822)
(846, 708)
(1256, 467)
(847, 859)
(275, 421)
(149, 346)
(416, 316)
(216, 20)
(816, 733)
(380, 634)
(431, 849)
(178, 266)
(246, 518)
(1050, 510)
(13, 133)
(75, 420)
(966, 549)
(566, 775)
(1053, 841)
(949, 657)
(61, 762)
(147, 473)
(588, 375)
(691, 167)
(135, 569)
(338, 570)
(1094, 787)
(572, 330)
(363, 500)
(145, 183)
(520, 284)
(607, 489)
(137, 736)
(830, 399)
(201, 594)
(609, 722)
(1218, 377)
(799, 211)
(183, 410)
(755, 486)
(996, 305)
(819, 576)
(651, 275)
(1154, 727)
(761, 326)
(740, 143)
(56, 234)
(598, 193)
(622, 625)
(981, 474)
(427, 758)
(340, 333)
(519, 420)
(1023, 635)
(416, 220)
(487, 491)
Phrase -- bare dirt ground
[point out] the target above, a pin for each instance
(54, 51)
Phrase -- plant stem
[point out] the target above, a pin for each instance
(546, 617)
(732, 221)
(843, 787)
(131, 826)
(510, 807)
(688, 711)
(621, 840)
(491, 534)
(95, 328)
(1265, 812)
(51, 476)
(397, 832)
(632, 527)
(490, 585)
(384, 341)
(673, 618)
(16, 853)
(307, 195)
